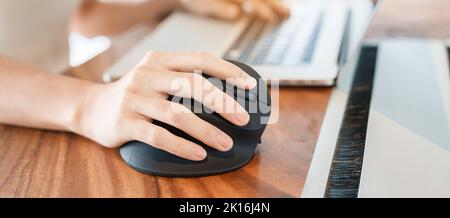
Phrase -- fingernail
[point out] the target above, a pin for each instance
(225, 142)
(242, 118)
(250, 82)
(198, 152)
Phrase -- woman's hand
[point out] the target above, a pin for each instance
(122, 111)
(269, 10)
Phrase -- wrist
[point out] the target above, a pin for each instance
(84, 104)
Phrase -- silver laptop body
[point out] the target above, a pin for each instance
(407, 138)
(306, 49)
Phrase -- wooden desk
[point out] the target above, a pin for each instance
(36, 163)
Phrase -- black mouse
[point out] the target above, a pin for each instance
(150, 160)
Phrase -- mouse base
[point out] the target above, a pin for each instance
(149, 160)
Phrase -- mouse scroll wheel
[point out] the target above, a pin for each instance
(249, 95)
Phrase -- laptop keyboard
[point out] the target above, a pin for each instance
(290, 43)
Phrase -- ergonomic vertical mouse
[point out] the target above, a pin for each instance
(150, 160)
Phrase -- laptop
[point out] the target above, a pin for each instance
(386, 129)
(305, 49)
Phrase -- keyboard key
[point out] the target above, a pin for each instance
(284, 39)
(265, 45)
(309, 52)
(251, 40)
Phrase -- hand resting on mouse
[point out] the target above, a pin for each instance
(122, 111)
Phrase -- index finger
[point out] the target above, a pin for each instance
(209, 64)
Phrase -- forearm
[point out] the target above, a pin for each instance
(113, 17)
(34, 98)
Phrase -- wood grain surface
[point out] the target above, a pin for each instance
(37, 163)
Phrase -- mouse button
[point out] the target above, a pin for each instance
(233, 91)
(220, 84)
(256, 94)
(213, 118)
(263, 108)
(258, 111)
(209, 115)
(251, 96)
(257, 107)
(248, 95)
(198, 107)
(263, 94)
(229, 89)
